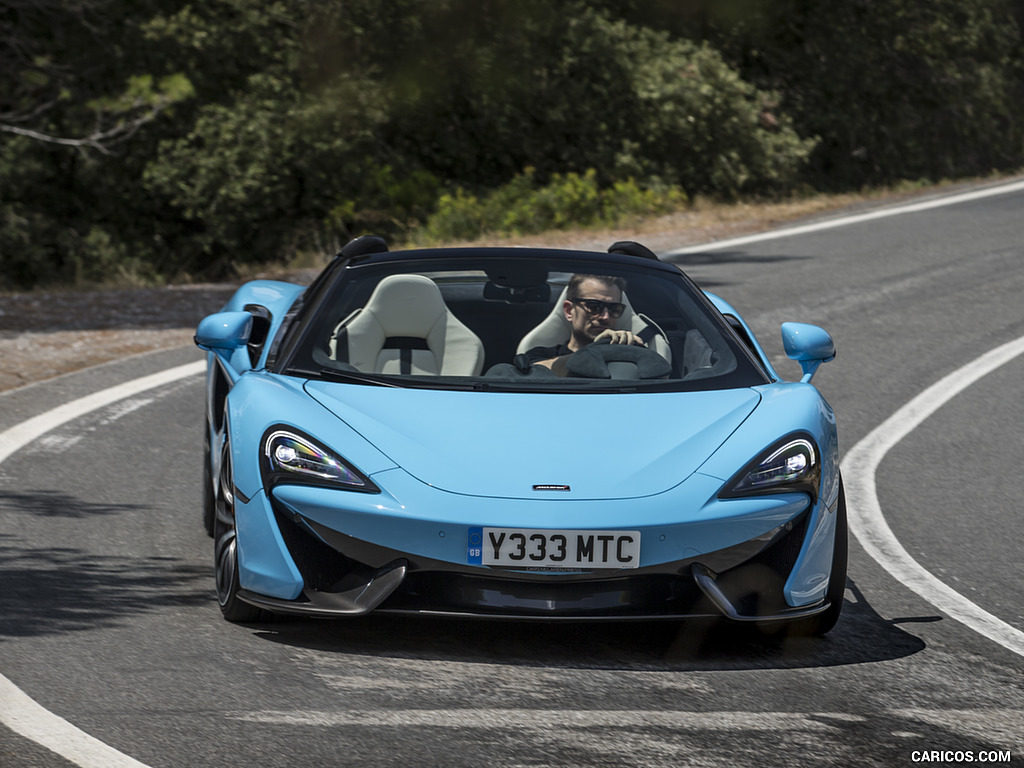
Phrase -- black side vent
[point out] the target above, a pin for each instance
(321, 566)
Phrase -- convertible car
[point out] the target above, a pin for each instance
(425, 432)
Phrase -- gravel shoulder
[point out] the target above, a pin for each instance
(44, 334)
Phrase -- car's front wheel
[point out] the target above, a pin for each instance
(209, 492)
(225, 549)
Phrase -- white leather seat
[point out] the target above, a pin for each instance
(555, 329)
(406, 328)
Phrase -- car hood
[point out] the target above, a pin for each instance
(537, 446)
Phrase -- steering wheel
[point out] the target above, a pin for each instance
(603, 360)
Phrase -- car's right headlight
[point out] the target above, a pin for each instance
(792, 464)
(291, 457)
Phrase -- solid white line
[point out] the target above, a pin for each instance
(22, 434)
(882, 213)
(17, 711)
(24, 716)
(868, 523)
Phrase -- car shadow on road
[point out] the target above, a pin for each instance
(861, 635)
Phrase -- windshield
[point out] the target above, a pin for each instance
(518, 323)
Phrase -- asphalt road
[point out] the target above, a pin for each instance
(107, 618)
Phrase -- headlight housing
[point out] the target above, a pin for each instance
(289, 456)
(792, 464)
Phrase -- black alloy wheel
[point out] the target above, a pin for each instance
(225, 549)
(209, 492)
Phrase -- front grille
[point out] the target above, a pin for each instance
(648, 595)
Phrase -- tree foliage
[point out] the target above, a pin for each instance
(896, 89)
(151, 139)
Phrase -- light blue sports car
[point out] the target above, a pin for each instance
(516, 433)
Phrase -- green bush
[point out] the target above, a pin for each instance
(701, 126)
(524, 207)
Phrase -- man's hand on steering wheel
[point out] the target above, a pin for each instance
(612, 336)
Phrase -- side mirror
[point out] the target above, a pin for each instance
(809, 345)
(225, 331)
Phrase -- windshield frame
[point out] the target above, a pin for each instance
(295, 342)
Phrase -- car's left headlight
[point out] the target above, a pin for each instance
(792, 464)
(291, 457)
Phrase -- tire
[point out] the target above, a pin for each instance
(824, 622)
(225, 550)
(209, 494)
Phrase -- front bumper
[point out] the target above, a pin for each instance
(345, 576)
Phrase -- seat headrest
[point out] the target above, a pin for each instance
(406, 305)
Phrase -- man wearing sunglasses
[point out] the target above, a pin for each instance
(592, 305)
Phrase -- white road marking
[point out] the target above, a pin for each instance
(55, 443)
(999, 727)
(125, 408)
(24, 716)
(22, 434)
(17, 711)
(881, 213)
(868, 522)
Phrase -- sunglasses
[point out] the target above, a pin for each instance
(596, 307)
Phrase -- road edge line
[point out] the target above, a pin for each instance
(867, 521)
(18, 711)
(857, 218)
(31, 720)
(21, 434)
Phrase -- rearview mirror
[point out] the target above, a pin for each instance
(809, 345)
(226, 331)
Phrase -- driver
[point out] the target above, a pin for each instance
(592, 305)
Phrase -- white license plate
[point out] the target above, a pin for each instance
(526, 547)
